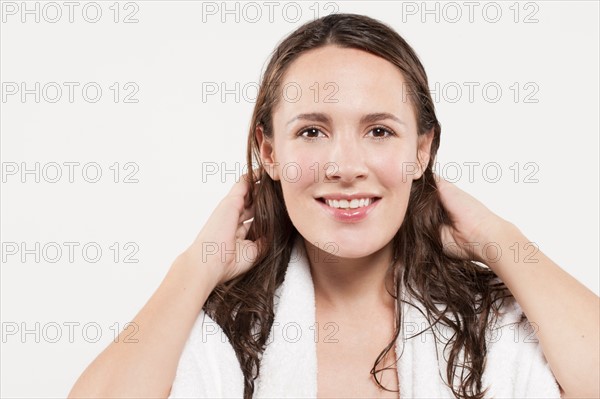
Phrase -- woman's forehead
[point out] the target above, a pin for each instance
(346, 68)
(333, 78)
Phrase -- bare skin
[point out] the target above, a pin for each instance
(347, 349)
(354, 329)
(353, 289)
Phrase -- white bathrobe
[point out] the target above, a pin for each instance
(208, 367)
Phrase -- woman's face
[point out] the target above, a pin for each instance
(345, 149)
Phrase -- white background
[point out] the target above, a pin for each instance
(171, 134)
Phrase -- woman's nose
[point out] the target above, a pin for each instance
(346, 161)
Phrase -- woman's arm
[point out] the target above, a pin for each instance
(564, 312)
(146, 369)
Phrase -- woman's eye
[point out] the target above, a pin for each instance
(310, 133)
(313, 133)
(380, 133)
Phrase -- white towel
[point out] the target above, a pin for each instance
(208, 367)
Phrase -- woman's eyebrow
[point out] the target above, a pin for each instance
(311, 116)
(368, 118)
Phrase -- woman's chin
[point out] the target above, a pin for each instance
(346, 247)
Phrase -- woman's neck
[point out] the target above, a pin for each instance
(352, 286)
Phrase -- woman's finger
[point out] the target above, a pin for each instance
(240, 188)
(247, 213)
(242, 230)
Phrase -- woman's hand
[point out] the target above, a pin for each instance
(221, 245)
(474, 224)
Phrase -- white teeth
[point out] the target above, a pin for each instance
(345, 204)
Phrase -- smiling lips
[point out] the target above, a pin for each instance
(348, 208)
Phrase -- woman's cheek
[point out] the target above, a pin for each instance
(394, 168)
(307, 170)
(298, 174)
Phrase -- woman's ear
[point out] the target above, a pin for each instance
(423, 152)
(267, 153)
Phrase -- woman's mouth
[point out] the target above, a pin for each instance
(346, 204)
(348, 210)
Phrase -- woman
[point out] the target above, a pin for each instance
(345, 134)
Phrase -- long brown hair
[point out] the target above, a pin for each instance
(469, 293)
